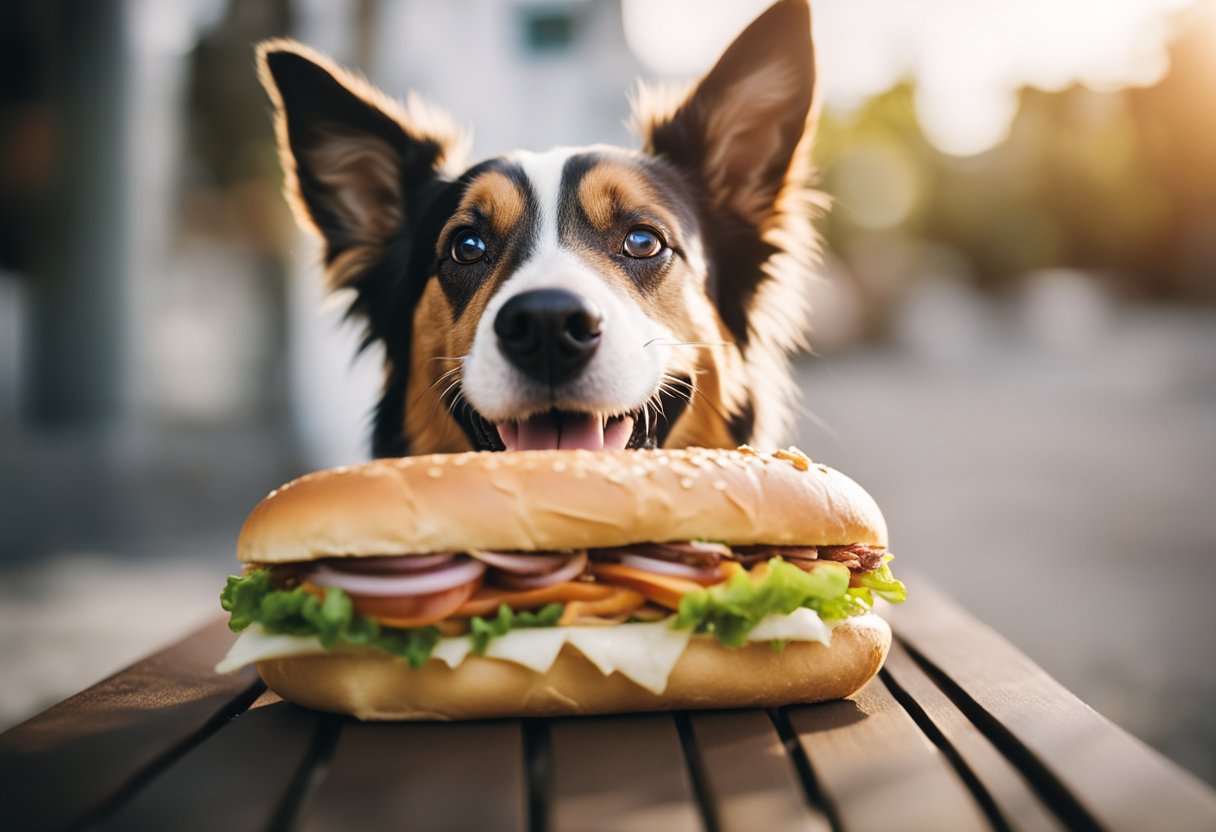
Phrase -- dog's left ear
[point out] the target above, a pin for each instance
(357, 164)
(739, 128)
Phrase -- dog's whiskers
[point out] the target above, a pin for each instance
(674, 383)
(654, 341)
(448, 374)
(656, 401)
(440, 399)
(455, 385)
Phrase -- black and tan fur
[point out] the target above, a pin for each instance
(722, 175)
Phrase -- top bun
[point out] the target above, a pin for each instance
(546, 500)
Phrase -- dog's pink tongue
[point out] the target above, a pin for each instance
(616, 436)
(568, 431)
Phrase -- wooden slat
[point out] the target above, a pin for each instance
(878, 770)
(619, 772)
(422, 776)
(238, 778)
(85, 754)
(749, 777)
(1092, 770)
(1011, 798)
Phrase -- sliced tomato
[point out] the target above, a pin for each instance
(488, 599)
(662, 589)
(415, 610)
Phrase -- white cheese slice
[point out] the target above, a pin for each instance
(642, 653)
(255, 644)
(800, 625)
(535, 649)
(452, 651)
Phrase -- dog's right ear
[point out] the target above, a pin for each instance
(356, 163)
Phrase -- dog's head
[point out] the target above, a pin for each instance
(582, 297)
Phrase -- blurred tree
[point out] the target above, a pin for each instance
(1118, 184)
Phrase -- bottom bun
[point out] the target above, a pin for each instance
(373, 685)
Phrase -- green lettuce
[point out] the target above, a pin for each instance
(730, 610)
(484, 630)
(332, 619)
(882, 583)
(252, 599)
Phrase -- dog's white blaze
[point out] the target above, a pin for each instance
(544, 172)
(627, 366)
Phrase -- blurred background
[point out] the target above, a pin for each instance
(1015, 333)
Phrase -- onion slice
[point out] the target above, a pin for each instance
(520, 564)
(388, 586)
(798, 552)
(685, 553)
(700, 574)
(388, 564)
(572, 569)
(699, 547)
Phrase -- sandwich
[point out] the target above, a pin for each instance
(561, 582)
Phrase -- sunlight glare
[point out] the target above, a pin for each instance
(968, 58)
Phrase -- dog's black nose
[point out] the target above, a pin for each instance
(549, 334)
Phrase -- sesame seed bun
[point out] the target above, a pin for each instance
(554, 500)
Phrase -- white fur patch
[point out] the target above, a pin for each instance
(544, 172)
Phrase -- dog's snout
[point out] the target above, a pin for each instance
(549, 334)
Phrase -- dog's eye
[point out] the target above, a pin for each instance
(467, 247)
(642, 242)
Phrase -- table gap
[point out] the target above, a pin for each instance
(978, 790)
(538, 772)
(695, 767)
(235, 706)
(309, 774)
(1054, 794)
(811, 791)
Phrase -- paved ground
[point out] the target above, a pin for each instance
(1062, 489)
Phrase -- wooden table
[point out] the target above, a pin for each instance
(960, 731)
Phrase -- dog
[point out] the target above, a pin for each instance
(592, 297)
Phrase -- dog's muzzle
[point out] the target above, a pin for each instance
(550, 335)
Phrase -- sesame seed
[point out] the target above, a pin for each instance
(434, 472)
(559, 466)
(799, 460)
(720, 485)
(686, 482)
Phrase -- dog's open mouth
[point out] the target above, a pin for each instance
(572, 431)
(644, 428)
